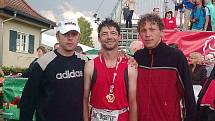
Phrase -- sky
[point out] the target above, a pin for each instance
(56, 10)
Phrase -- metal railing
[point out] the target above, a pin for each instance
(128, 35)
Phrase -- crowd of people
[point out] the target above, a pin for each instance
(153, 85)
(197, 15)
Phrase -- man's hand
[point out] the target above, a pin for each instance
(131, 61)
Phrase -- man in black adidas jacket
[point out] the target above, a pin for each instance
(54, 91)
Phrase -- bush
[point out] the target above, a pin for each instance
(12, 70)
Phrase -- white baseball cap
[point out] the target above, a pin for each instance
(68, 25)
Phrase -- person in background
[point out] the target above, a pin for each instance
(54, 91)
(131, 4)
(210, 19)
(109, 81)
(156, 11)
(206, 104)
(197, 70)
(56, 45)
(207, 25)
(40, 52)
(198, 16)
(179, 8)
(127, 16)
(79, 49)
(213, 16)
(209, 63)
(1, 72)
(161, 97)
(188, 6)
(169, 20)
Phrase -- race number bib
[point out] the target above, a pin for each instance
(104, 115)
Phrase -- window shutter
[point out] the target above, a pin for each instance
(31, 44)
(12, 41)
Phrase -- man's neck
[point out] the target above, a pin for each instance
(65, 53)
(110, 54)
(155, 45)
(110, 57)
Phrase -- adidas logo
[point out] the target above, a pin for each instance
(68, 75)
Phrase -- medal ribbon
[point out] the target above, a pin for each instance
(110, 97)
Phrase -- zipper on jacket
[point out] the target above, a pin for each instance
(152, 60)
(150, 79)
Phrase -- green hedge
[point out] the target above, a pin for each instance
(12, 70)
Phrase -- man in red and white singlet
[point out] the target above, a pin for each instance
(110, 80)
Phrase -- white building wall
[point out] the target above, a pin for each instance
(19, 59)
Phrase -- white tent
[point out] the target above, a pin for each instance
(51, 40)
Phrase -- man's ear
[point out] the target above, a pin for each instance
(79, 38)
(99, 38)
(57, 36)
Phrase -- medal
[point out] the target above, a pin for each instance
(110, 98)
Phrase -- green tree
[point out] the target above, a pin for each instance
(86, 32)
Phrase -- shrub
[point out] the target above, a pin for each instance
(12, 70)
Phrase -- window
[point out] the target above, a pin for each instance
(22, 42)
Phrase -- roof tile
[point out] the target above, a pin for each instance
(22, 6)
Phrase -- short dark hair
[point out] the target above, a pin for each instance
(153, 18)
(108, 23)
(167, 13)
(56, 44)
(42, 48)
